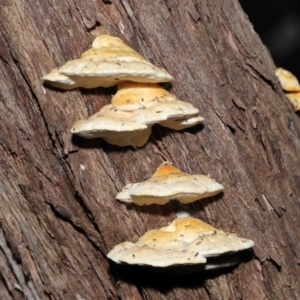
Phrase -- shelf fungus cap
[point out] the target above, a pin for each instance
(115, 127)
(185, 241)
(123, 128)
(169, 183)
(109, 61)
(294, 99)
(176, 114)
(287, 80)
(136, 95)
(129, 127)
(56, 79)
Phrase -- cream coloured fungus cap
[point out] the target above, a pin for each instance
(295, 99)
(115, 127)
(290, 85)
(186, 241)
(132, 96)
(169, 183)
(132, 126)
(109, 61)
(287, 80)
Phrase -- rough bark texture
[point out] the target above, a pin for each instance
(59, 216)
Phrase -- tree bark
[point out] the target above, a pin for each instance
(58, 213)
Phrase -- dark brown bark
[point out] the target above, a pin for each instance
(59, 216)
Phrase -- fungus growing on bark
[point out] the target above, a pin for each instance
(186, 241)
(109, 61)
(287, 80)
(295, 99)
(116, 127)
(169, 183)
(132, 127)
(132, 96)
(290, 85)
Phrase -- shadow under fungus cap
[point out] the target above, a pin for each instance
(169, 183)
(186, 241)
(109, 61)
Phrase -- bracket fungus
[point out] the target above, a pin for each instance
(133, 96)
(295, 99)
(290, 85)
(109, 61)
(129, 119)
(287, 80)
(185, 241)
(115, 127)
(168, 183)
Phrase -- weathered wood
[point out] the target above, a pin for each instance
(59, 216)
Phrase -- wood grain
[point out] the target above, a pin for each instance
(58, 212)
